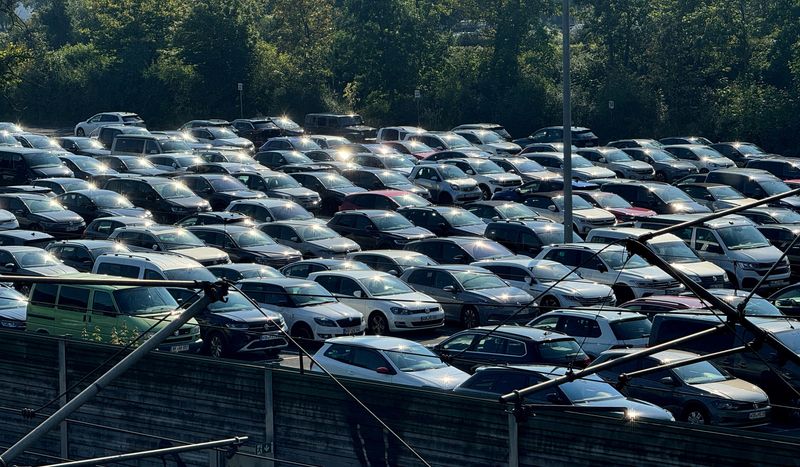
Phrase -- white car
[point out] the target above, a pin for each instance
(703, 157)
(630, 277)
(598, 330)
(387, 360)
(388, 304)
(672, 249)
(585, 217)
(310, 311)
(491, 177)
(554, 284)
(582, 169)
(490, 141)
(107, 118)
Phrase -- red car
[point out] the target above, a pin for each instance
(793, 183)
(388, 200)
(615, 204)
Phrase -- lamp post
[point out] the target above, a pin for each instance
(567, 138)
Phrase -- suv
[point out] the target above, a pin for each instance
(37, 212)
(714, 196)
(445, 221)
(383, 179)
(754, 183)
(107, 313)
(310, 238)
(630, 276)
(489, 141)
(280, 185)
(598, 330)
(268, 210)
(660, 197)
(107, 134)
(107, 118)
(171, 239)
(495, 127)
(619, 162)
(244, 244)
(526, 237)
(582, 169)
(447, 184)
(332, 187)
(527, 169)
(22, 165)
(101, 228)
(703, 157)
(218, 189)
(459, 250)
(257, 130)
(397, 133)
(739, 152)
(581, 137)
(81, 254)
(443, 140)
(372, 228)
(145, 145)
(168, 200)
(350, 126)
(667, 167)
(491, 177)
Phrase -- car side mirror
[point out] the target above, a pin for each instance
(530, 280)
(393, 272)
(469, 172)
(383, 370)
(435, 179)
(449, 288)
(552, 207)
(667, 381)
(602, 160)
(602, 268)
(11, 266)
(155, 247)
(496, 218)
(294, 239)
(714, 249)
(458, 258)
(357, 293)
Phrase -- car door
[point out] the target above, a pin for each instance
(364, 232)
(73, 315)
(366, 363)
(708, 247)
(427, 178)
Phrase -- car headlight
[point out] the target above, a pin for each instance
(12, 324)
(732, 405)
(327, 322)
(455, 187)
(398, 310)
(177, 209)
(749, 266)
(237, 325)
(401, 241)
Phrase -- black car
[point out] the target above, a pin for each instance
(782, 167)
(236, 272)
(275, 159)
(215, 218)
(444, 220)
(459, 250)
(219, 190)
(657, 196)
(739, 152)
(372, 228)
(268, 210)
(510, 345)
(246, 245)
(83, 146)
(280, 185)
(25, 238)
(101, 228)
(91, 204)
(36, 212)
(167, 199)
(351, 126)
(527, 237)
(88, 168)
(81, 254)
(61, 185)
(384, 179)
(28, 189)
(392, 261)
(225, 168)
(331, 187)
(257, 130)
(534, 187)
(22, 165)
(131, 164)
(496, 210)
(581, 137)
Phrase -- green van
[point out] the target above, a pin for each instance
(107, 313)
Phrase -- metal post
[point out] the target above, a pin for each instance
(567, 125)
(62, 389)
(513, 440)
(107, 378)
(269, 415)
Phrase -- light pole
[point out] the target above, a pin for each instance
(567, 125)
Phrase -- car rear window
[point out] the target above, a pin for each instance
(559, 351)
(633, 328)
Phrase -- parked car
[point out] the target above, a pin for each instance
(37, 212)
(497, 210)
(149, 144)
(81, 254)
(715, 196)
(216, 218)
(782, 167)
(60, 185)
(444, 220)
(581, 137)
(470, 349)
(236, 272)
(396, 133)
(525, 237)
(446, 184)
(668, 168)
(699, 393)
(21, 237)
(245, 244)
(328, 141)
(351, 126)
(471, 295)
(660, 197)
(107, 133)
(168, 200)
(83, 146)
(491, 178)
(310, 311)
(771, 215)
(219, 190)
(332, 187)
(787, 300)
(294, 144)
(132, 165)
(207, 123)
(88, 168)
(739, 152)
(546, 147)
(460, 153)
(301, 269)
(635, 143)
(388, 304)
(703, 157)
(23, 165)
(400, 163)
(394, 262)
(490, 141)
(107, 118)
(527, 169)
(387, 360)
(597, 329)
(418, 149)
(177, 163)
(654, 304)
(269, 210)
(13, 309)
(157, 266)
(220, 136)
(172, 239)
(310, 238)
(442, 140)
(591, 391)
(698, 140)
(372, 228)
(495, 127)
(280, 185)
(623, 165)
(615, 204)
(101, 228)
(582, 169)
(380, 179)
(754, 183)
(585, 217)
(30, 261)
(257, 130)
(91, 204)
(389, 200)
(629, 275)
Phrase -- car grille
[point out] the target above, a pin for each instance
(510, 183)
(712, 281)
(280, 262)
(307, 199)
(643, 171)
(420, 324)
(780, 270)
(600, 222)
(348, 322)
(664, 284)
(263, 326)
(605, 300)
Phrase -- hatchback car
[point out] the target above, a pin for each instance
(389, 200)
(447, 184)
(667, 167)
(91, 204)
(387, 360)
(623, 165)
(219, 136)
(172, 239)
(81, 254)
(236, 272)
(394, 262)
(527, 169)
(332, 187)
(445, 221)
(269, 210)
(245, 244)
(615, 204)
(372, 228)
(310, 238)
(701, 156)
(377, 179)
(489, 141)
(36, 212)
(585, 217)
(301, 269)
(282, 186)
(396, 162)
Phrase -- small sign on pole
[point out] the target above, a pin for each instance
(240, 86)
(417, 94)
(611, 105)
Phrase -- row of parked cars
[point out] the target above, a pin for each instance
(336, 235)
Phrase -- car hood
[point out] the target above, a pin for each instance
(443, 378)
(412, 300)
(250, 315)
(508, 295)
(335, 310)
(463, 183)
(201, 253)
(411, 233)
(471, 230)
(124, 212)
(632, 212)
(642, 409)
(299, 192)
(47, 172)
(686, 207)
(647, 273)
(50, 270)
(18, 313)
(238, 142)
(349, 189)
(337, 245)
(699, 269)
(582, 288)
(411, 189)
(189, 203)
(58, 216)
(735, 389)
(274, 250)
(595, 172)
(635, 165)
(766, 254)
(148, 172)
(504, 177)
(594, 214)
(243, 194)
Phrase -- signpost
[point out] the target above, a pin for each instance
(240, 87)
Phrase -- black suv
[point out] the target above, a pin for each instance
(444, 220)
(350, 126)
(527, 237)
(21, 165)
(81, 254)
(245, 244)
(459, 250)
(218, 189)
(168, 200)
(372, 228)
(383, 179)
(37, 212)
(257, 130)
(331, 187)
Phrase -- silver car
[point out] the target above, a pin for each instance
(446, 183)
(582, 169)
(620, 163)
(489, 141)
(310, 238)
(491, 177)
(585, 217)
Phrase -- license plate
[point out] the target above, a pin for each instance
(351, 331)
(179, 348)
(757, 415)
(428, 318)
(264, 337)
(72, 228)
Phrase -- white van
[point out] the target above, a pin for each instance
(157, 266)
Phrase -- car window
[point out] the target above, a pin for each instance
(340, 353)
(442, 279)
(369, 359)
(44, 294)
(581, 327)
(459, 342)
(73, 298)
(550, 323)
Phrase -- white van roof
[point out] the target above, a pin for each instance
(163, 261)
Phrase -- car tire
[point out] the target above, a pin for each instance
(549, 303)
(470, 318)
(445, 199)
(696, 414)
(486, 192)
(660, 176)
(302, 331)
(619, 174)
(80, 132)
(217, 346)
(377, 324)
(623, 293)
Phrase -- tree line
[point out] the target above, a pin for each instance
(724, 69)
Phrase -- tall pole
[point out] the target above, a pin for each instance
(567, 125)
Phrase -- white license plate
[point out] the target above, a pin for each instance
(351, 331)
(757, 415)
(428, 318)
(179, 348)
(72, 228)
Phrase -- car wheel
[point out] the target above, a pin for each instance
(486, 192)
(696, 415)
(660, 177)
(302, 331)
(445, 198)
(549, 303)
(377, 323)
(623, 293)
(470, 318)
(80, 132)
(619, 174)
(217, 346)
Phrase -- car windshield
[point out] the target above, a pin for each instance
(554, 272)
(528, 166)
(561, 351)
(579, 162)
(308, 295)
(578, 203)
(699, 373)
(471, 280)
(660, 155)
(144, 300)
(390, 178)
(221, 133)
(674, 252)
(616, 259)
(610, 200)
(632, 328)
(756, 306)
(459, 217)
(10, 298)
(87, 163)
(332, 181)
(410, 199)
(75, 184)
(725, 192)
(786, 216)
(8, 140)
(707, 153)
(552, 234)
(774, 187)
(35, 259)
(414, 357)
(391, 221)
(281, 181)
(42, 142)
(305, 144)
(588, 390)
(617, 156)
(749, 149)
(137, 163)
(36, 205)
(40, 160)
(177, 239)
(87, 143)
(514, 211)
(409, 260)
(351, 120)
(397, 162)
(198, 273)
(234, 301)
(111, 200)
(294, 157)
(188, 161)
(454, 141)
(487, 249)
(264, 271)
(486, 167)
(227, 184)
(172, 190)
(380, 286)
(289, 211)
(742, 237)
(252, 238)
(285, 123)
(670, 194)
(175, 145)
(418, 146)
(450, 172)
(315, 232)
(490, 137)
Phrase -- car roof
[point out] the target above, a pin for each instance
(388, 193)
(365, 212)
(375, 342)
(222, 228)
(24, 234)
(164, 261)
(587, 246)
(152, 228)
(605, 312)
(537, 225)
(90, 244)
(24, 195)
(323, 261)
(518, 261)
(355, 273)
(457, 239)
(387, 253)
(456, 268)
(19, 248)
(730, 219)
(125, 220)
(279, 281)
(665, 356)
(523, 331)
(237, 266)
(266, 202)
